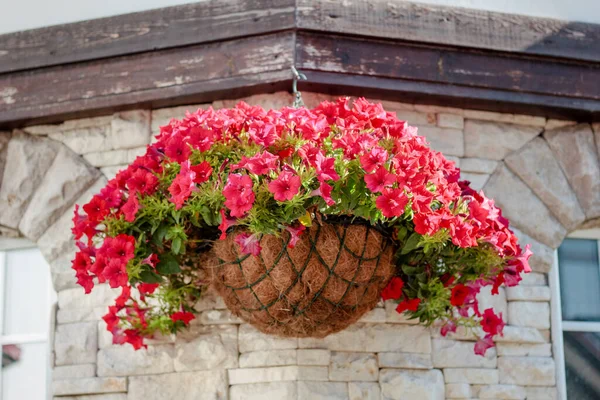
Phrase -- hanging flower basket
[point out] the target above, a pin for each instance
(301, 219)
(324, 282)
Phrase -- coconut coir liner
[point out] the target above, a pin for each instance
(332, 276)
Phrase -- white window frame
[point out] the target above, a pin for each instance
(6, 245)
(558, 326)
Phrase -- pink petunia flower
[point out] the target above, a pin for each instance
(249, 244)
(285, 187)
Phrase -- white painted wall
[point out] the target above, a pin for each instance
(16, 15)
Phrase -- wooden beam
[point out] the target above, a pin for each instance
(153, 78)
(163, 28)
(452, 26)
(409, 91)
(454, 69)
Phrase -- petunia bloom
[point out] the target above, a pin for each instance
(285, 187)
(393, 290)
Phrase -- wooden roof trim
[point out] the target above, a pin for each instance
(210, 21)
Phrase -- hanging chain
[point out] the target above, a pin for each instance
(298, 76)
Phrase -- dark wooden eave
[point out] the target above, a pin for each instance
(230, 48)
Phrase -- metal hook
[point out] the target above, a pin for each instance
(297, 95)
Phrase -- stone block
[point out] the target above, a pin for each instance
(527, 371)
(218, 317)
(478, 165)
(28, 159)
(206, 348)
(543, 256)
(101, 295)
(519, 349)
(393, 317)
(264, 391)
(123, 360)
(269, 358)
(83, 140)
(74, 371)
(364, 391)
(66, 179)
(69, 125)
(477, 181)
(322, 390)
(66, 387)
(75, 343)
(375, 338)
(376, 315)
(541, 393)
(70, 315)
(445, 140)
(353, 367)
(528, 293)
(533, 279)
(520, 119)
(575, 151)
(535, 164)
(4, 139)
(260, 375)
(530, 314)
(445, 120)
(251, 339)
(476, 376)
(453, 354)
(399, 384)
(312, 373)
(428, 108)
(509, 392)
(494, 140)
(404, 360)
(130, 129)
(108, 158)
(201, 385)
(458, 391)
(519, 334)
(523, 208)
(313, 357)
(558, 123)
(415, 118)
(495, 301)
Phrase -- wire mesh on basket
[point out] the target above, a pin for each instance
(333, 275)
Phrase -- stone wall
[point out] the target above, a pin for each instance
(543, 173)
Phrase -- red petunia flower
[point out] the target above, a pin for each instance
(392, 202)
(238, 193)
(177, 149)
(249, 244)
(130, 208)
(111, 318)
(96, 209)
(325, 168)
(183, 185)
(225, 224)
(448, 327)
(203, 172)
(121, 247)
(492, 323)
(86, 281)
(393, 290)
(373, 159)
(115, 273)
(151, 260)
(459, 294)
(183, 316)
(324, 191)
(483, 345)
(82, 262)
(379, 180)
(285, 187)
(294, 234)
(142, 181)
(262, 163)
(145, 289)
(408, 305)
(123, 297)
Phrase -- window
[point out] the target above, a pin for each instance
(576, 315)
(26, 301)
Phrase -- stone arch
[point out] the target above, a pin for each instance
(45, 170)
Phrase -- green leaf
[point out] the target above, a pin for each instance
(150, 277)
(176, 245)
(411, 244)
(408, 270)
(168, 264)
